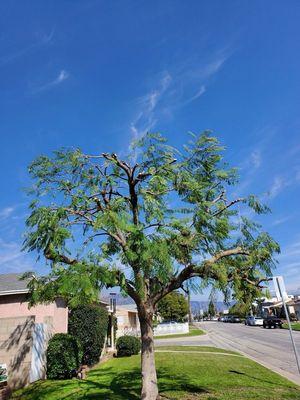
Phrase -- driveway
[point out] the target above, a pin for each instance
(270, 347)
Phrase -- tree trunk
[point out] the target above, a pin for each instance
(149, 378)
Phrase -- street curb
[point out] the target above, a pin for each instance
(199, 352)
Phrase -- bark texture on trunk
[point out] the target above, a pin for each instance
(149, 377)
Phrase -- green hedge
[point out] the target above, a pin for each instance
(64, 355)
(128, 346)
(89, 325)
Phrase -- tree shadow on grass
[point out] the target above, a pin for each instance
(129, 384)
(101, 384)
(274, 383)
(105, 384)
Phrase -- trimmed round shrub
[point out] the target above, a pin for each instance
(63, 356)
(89, 324)
(128, 346)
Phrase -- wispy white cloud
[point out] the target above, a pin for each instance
(276, 179)
(6, 212)
(19, 53)
(12, 259)
(12, 221)
(199, 93)
(173, 89)
(248, 168)
(284, 181)
(145, 120)
(277, 186)
(255, 158)
(282, 220)
(62, 76)
(9, 251)
(214, 66)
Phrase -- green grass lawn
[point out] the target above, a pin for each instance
(182, 376)
(295, 326)
(193, 332)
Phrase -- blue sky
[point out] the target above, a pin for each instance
(94, 74)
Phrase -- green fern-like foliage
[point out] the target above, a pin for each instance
(148, 223)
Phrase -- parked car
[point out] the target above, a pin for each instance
(272, 322)
(254, 321)
(234, 319)
(221, 319)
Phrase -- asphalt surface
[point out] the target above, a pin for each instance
(270, 347)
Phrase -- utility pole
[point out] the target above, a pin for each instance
(280, 290)
(112, 308)
(187, 292)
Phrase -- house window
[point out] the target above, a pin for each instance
(132, 319)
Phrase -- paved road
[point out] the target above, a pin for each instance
(270, 347)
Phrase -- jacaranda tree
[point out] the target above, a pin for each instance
(147, 223)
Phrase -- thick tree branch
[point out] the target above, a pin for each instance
(132, 292)
(53, 256)
(122, 164)
(192, 270)
(131, 182)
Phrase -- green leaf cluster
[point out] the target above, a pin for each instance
(173, 307)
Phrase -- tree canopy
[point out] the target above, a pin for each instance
(240, 309)
(173, 307)
(166, 217)
(211, 309)
(147, 222)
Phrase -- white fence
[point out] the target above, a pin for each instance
(171, 329)
(127, 331)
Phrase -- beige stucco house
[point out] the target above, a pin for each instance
(127, 319)
(274, 305)
(294, 307)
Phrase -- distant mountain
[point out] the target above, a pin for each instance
(203, 305)
(195, 305)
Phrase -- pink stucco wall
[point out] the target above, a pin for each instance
(16, 306)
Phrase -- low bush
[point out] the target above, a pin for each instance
(63, 356)
(89, 325)
(128, 346)
(293, 317)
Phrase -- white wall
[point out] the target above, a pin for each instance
(170, 329)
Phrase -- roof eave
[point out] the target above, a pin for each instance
(10, 292)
